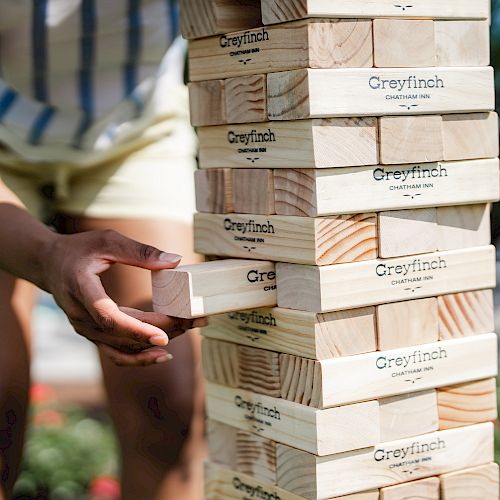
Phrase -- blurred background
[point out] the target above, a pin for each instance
(71, 450)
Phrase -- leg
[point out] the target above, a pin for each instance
(156, 410)
(16, 304)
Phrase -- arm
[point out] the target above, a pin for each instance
(68, 267)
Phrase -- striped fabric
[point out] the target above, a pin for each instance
(78, 77)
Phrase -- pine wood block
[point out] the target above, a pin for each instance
(408, 415)
(309, 335)
(332, 240)
(214, 191)
(331, 288)
(253, 191)
(477, 483)
(327, 383)
(214, 287)
(322, 432)
(466, 314)
(224, 483)
(200, 18)
(246, 99)
(410, 139)
(408, 323)
(469, 136)
(337, 142)
(404, 43)
(280, 11)
(322, 93)
(256, 456)
(312, 193)
(220, 362)
(222, 443)
(466, 404)
(462, 43)
(463, 226)
(207, 103)
(258, 371)
(329, 43)
(426, 489)
(408, 232)
(320, 478)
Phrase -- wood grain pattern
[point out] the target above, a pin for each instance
(258, 371)
(200, 18)
(323, 93)
(477, 483)
(332, 240)
(338, 142)
(467, 404)
(312, 193)
(222, 443)
(256, 456)
(404, 43)
(253, 191)
(408, 232)
(214, 287)
(403, 324)
(301, 380)
(246, 99)
(317, 478)
(332, 288)
(410, 139)
(331, 43)
(322, 432)
(426, 489)
(280, 11)
(310, 335)
(469, 136)
(207, 103)
(466, 314)
(214, 191)
(220, 362)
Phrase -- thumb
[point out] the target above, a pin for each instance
(124, 250)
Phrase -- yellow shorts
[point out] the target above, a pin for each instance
(154, 182)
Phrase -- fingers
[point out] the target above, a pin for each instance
(145, 358)
(168, 324)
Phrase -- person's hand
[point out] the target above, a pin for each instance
(129, 337)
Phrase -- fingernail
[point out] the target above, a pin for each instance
(199, 322)
(164, 358)
(169, 257)
(160, 340)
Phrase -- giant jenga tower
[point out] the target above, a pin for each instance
(348, 154)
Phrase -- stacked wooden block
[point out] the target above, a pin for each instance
(348, 154)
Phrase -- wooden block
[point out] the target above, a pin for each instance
(467, 404)
(332, 288)
(409, 323)
(214, 191)
(200, 18)
(465, 314)
(256, 456)
(462, 43)
(332, 240)
(477, 483)
(463, 226)
(410, 139)
(304, 44)
(246, 99)
(427, 489)
(469, 136)
(408, 232)
(363, 377)
(387, 464)
(220, 362)
(227, 484)
(404, 43)
(322, 432)
(314, 193)
(280, 11)
(207, 103)
(214, 287)
(408, 415)
(310, 335)
(222, 443)
(322, 93)
(339, 142)
(253, 191)
(258, 371)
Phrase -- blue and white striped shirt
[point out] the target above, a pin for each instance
(79, 77)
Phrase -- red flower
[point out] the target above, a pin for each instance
(105, 488)
(48, 418)
(41, 393)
